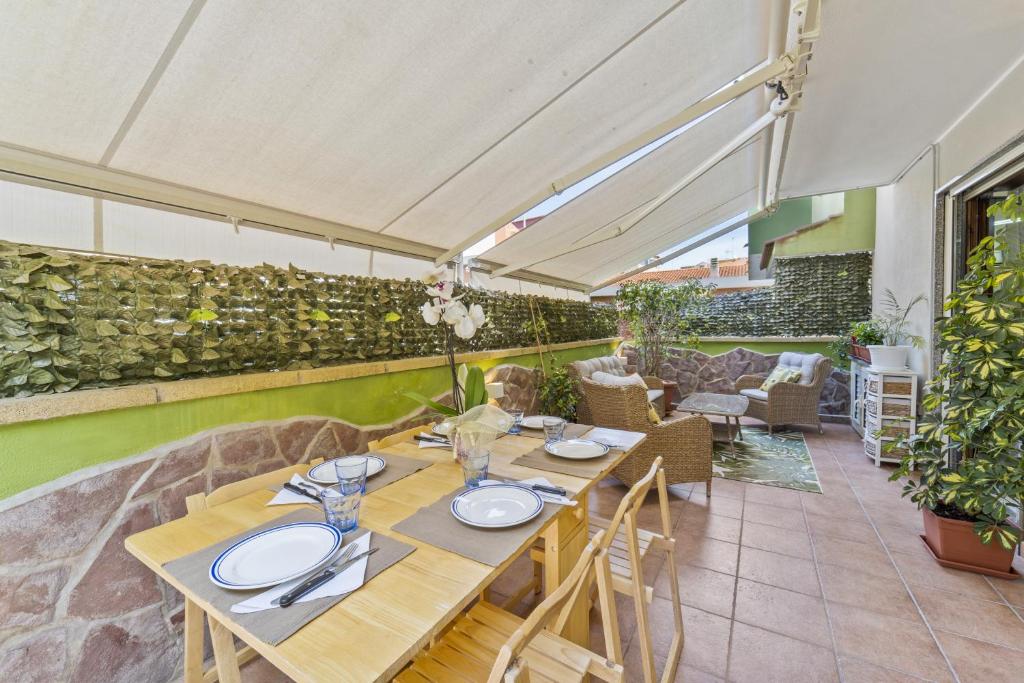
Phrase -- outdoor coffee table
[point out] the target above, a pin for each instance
(729, 406)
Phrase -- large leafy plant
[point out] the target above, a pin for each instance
(659, 313)
(968, 448)
(559, 393)
(893, 321)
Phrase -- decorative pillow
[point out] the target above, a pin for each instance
(611, 380)
(780, 374)
(652, 414)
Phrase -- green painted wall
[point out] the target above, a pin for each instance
(32, 453)
(853, 231)
(790, 215)
(713, 348)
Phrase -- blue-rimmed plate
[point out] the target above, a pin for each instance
(324, 473)
(497, 506)
(576, 449)
(275, 555)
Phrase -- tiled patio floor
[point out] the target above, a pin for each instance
(779, 585)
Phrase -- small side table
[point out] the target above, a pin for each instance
(729, 406)
(670, 396)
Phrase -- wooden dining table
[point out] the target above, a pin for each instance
(377, 630)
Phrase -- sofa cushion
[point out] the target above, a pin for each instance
(804, 362)
(781, 374)
(611, 365)
(613, 380)
(654, 394)
(756, 394)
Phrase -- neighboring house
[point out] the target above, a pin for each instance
(727, 275)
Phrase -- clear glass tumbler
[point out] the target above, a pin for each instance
(474, 463)
(554, 428)
(341, 506)
(517, 422)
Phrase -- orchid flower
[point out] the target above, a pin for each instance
(431, 312)
(432, 277)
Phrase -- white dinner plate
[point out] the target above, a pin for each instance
(324, 472)
(576, 449)
(275, 555)
(442, 428)
(535, 421)
(496, 506)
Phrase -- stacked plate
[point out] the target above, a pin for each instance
(324, 473)
(576, 449)
(496, 506)
(275, 555)
(442, 428)
(536, 421)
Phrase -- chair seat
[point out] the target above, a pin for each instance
(655, 394)
(756, 394)
(467, 652)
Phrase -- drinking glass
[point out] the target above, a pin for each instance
(474, 465)
(554, 428)
(341, 506)
(517, 422)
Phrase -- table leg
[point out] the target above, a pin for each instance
(732, 435)
(224, 653)
(739, 428)
(564, 542)
(194, 634)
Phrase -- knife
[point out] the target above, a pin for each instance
(302, 491)
(320, 579)
(421, 437)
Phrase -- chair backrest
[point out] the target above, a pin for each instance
(237, 489)
(624, 407)
(398, 437)
(812, 366)
(611, 364)
(553, 614)
(629, 507)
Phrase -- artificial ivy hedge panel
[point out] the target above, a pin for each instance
(812, 296)
(73, 321)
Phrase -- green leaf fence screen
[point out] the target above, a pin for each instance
(70, 321)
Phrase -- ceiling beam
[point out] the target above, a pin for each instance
(736, 88)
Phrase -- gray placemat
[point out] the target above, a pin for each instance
(435, 524)
(274, 626)
(539, 459)
(572, 431)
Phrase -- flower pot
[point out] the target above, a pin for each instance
(953, 540)
(860, 351)
(889, 357)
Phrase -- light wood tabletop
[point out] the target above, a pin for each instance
(377, 630)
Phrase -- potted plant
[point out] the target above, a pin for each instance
(968, 447)
(854, 344)
(891, 353)
(659, 313)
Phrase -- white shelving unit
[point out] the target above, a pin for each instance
(889, 411)
(857, 389)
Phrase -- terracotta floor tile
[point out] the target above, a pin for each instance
(852, 586)
(760, 656)
(776, 539)
(773, 495)
(838, 551)
(716, 505)
(924, 571)
(706, 644)
(902, 539)
(728, 488)
(859, 671)
(887, 641)
(713, 526)
(260, 670)
(843, 508)
(1012, 591)
(981, 662)
(709, 553)
(776, 609)
(993, 622)
(849, 529)
(774, 516)
(787, 572)
(702, 588)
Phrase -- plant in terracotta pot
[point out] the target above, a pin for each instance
(854, 344)
(967, 452)
(891, 325)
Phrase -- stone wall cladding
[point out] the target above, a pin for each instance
(696, 371)
(76, 606)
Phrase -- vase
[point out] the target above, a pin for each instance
(953, 540)
(889, 357)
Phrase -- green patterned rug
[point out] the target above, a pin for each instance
(780, 459)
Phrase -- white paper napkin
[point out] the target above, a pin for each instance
(613, 438)
(548, 497)
(432, 444)
(345, 582)
(286, 497)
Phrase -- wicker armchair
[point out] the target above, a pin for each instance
(583, 369)
(684, 444)
(788, 403)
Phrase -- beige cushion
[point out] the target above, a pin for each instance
(611, 365)
(654, 394)
(756, 394)
(612, 380)
(804, 362)
(781, 374)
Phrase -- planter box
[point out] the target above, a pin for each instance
(861, 352)
(955, 541)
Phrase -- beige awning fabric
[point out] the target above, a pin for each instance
(413, 127)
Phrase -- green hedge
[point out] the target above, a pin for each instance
(71, 321)
(812, 295)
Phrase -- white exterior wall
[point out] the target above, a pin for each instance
(904, 229)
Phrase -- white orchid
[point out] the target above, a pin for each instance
(464, 328)
(476, 314)
(432, 277)
(454, 313)
(431, 312)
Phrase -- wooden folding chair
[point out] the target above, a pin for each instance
(488, 643)
(223, 641)
(398, 437)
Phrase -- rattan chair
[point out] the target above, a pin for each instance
(685, 443)
(613, 365)
(788, 403)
